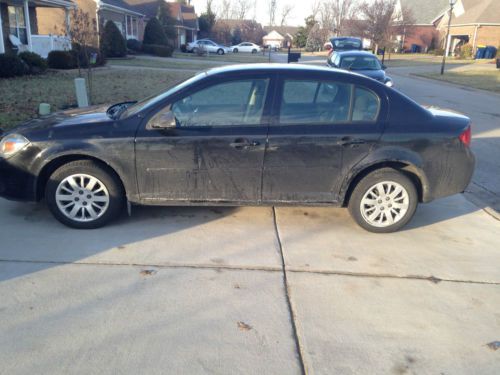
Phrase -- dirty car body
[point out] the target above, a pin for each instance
(260, 134)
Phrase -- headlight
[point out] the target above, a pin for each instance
(12, 144)
(389, 83)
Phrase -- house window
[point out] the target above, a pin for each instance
(17, 23)
(132, 29)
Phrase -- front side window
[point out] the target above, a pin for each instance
(234, 103)
(132, 31)
(17, 23)
(304, 102)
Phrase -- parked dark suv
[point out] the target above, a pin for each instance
(244, 135)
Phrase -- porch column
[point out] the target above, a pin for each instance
(28, 25)
(448, 45)
(68, 21)
(2, 47)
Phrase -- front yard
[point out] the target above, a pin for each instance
(483, 77)
(21, 96)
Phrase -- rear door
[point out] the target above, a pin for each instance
(321, 128)
(215, 150)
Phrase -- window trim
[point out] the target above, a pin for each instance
(129, 34)
(16, 26)
(279, 100)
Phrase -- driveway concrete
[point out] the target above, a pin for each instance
(204, 290)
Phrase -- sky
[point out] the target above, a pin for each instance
(301, 9)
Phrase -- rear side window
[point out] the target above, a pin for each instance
(366, 105)
(321, 102)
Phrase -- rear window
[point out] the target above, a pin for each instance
(346, 43)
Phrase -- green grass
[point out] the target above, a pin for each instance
(417, 59)
(244, 58)
(166, 64)
(485, 79)
(21, 96)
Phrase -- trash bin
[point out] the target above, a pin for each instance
(498, 62)
(490, 52)
(480, 52)
(294, 56)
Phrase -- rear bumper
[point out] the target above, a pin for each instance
(15, 182)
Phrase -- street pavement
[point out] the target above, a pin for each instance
(251, 290)
(261, 290)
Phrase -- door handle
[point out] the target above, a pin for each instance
(353, 142)
(243, 143)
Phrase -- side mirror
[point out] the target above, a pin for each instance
(163, 120)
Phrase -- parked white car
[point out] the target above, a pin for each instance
(246, 47)
(207, 45)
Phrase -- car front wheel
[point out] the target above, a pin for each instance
(235, 50)
(383, 201)
(220, 51)
(84, 195)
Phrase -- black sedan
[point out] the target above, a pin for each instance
(244, 135)
(361, 62)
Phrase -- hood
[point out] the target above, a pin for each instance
(72, 117)
(379, 75)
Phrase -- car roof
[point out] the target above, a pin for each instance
(354, 53)
(267, 67)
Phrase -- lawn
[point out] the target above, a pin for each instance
(21, 96)
(245, 58)
(486, 79)
(395, 60)
(166, 63)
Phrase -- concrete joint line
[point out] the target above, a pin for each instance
(293, 317)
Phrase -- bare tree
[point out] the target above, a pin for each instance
(272, 6)
(285, 12)
(343, 10)
(226, 10)
(242, 8)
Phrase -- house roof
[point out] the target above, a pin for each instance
(121, 4)
(425, 11)
(184, 15)
(283, 30)
(274, 35)
(477, 11)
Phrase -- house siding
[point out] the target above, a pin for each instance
(488, 35)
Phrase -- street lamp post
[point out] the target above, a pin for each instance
(447, 44)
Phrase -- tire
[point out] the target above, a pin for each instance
(254, 51)
(94, 205)
(235, 50)
(195, 50)
(374, 209)
(220, 51)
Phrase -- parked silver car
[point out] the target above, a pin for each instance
(207, 45)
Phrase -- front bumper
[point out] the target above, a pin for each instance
(16, 183)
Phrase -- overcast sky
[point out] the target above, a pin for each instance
(301, 9)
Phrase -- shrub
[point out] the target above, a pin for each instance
(36, 63)
(83, 55)
(134, 45)
(11, 66)
(61, 60)
(154, 34)
(183, 48)
(158, 50)
(438, 52)
(112, 41)
(466, 51)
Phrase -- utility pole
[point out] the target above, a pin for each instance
(447, 44)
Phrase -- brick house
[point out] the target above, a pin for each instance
(20, 26)
(474, 21)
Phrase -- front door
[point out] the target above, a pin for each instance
(318, 125)
(215, 149)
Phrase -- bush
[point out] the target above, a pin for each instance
(183, 48)
(112, 41)
(158, 50)
(83, 55)
(36, 63)
(438, 52)
(11, 66)
(154, 34)
(134, 45)
(466, 51)
(61, 60)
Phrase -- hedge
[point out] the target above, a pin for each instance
(11, 66)
(61, 60)
(112, 42)
(36, 64)
(158, 50)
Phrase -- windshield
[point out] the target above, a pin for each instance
(360, 63)
(346, 43)
(153, 99)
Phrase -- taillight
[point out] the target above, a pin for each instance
(465, 137)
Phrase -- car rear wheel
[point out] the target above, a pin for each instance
(383, 201)
(220, 51)
(84, 195)
(195, 50)
(235, 50)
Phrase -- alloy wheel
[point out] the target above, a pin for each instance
(384, 204)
